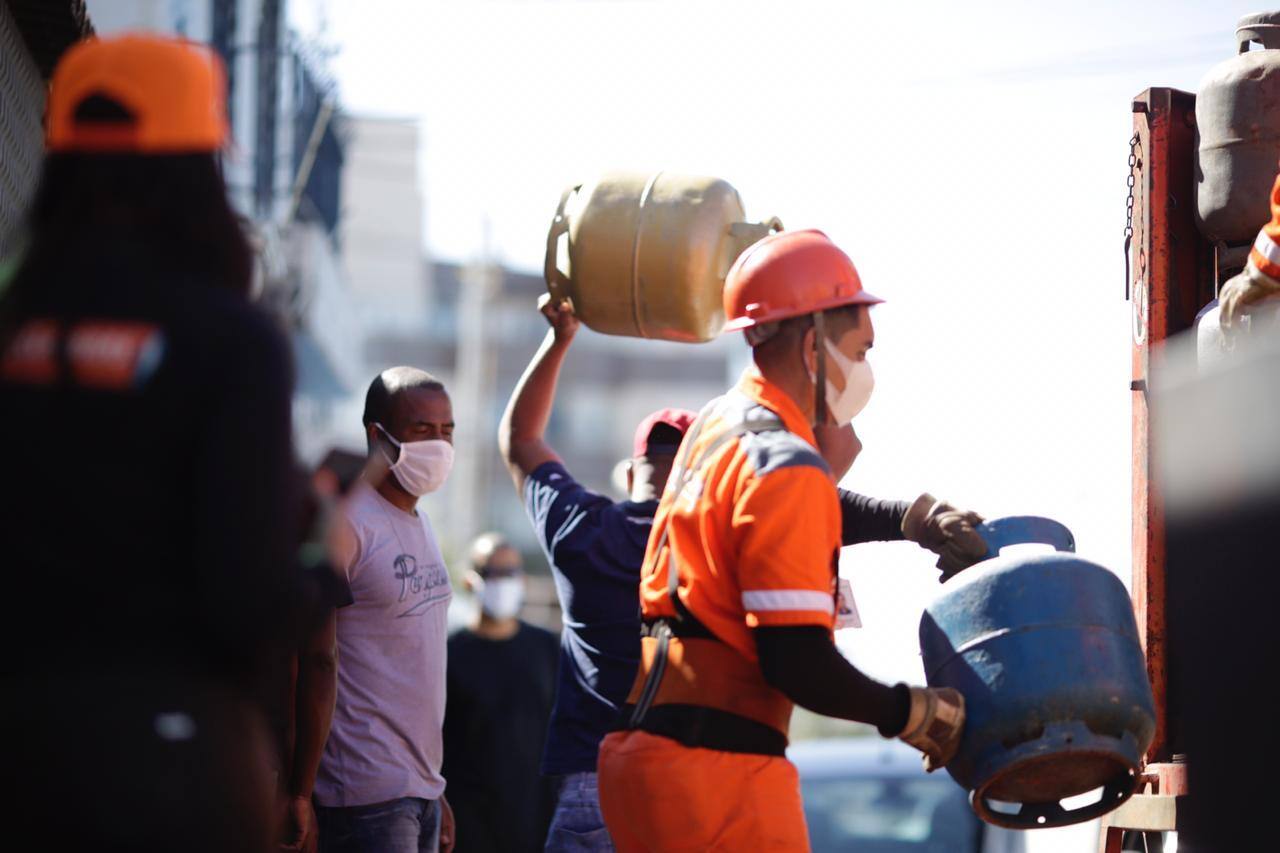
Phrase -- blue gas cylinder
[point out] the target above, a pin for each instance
(1045, 649)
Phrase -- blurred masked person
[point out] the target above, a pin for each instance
(739, 592)
(148, 504)
(380, 788)
(595, 547)
(502, 676)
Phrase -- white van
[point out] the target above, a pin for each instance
(868, 795)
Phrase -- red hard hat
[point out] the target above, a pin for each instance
(790, 274)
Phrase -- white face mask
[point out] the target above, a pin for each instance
(859, 382)
(422, 466)
(501, 598)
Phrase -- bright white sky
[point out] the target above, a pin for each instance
(970, 157)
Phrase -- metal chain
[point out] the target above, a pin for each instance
(1135, 163)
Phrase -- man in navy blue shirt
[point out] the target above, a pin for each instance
(595, 546)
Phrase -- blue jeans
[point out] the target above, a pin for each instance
(577, 825)
(406, 825)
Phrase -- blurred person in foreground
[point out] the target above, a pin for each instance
(595, 547)
(313, 683)
(149, 507)
(380, 788)
(502, 676)
(740, 591)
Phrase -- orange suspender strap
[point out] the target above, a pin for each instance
(681, 475)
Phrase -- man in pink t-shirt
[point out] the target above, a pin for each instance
(379, 789)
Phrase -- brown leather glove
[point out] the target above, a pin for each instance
(934, 724)
(947, 532)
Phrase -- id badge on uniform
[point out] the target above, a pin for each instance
(846, 607)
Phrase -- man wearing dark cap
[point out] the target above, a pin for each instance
(595, 547)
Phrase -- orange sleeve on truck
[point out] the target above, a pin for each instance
(1265, 255)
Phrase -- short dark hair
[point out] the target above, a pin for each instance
(389, 383)
(485, 546)
(783, 330)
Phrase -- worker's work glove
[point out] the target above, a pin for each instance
(934, 724)
(1241, 293)
(947, 532)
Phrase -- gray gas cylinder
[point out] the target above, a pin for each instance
(1215, 346)
(1238, 117)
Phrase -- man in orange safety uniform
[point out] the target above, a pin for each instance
(739, 585)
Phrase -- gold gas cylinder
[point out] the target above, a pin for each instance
(646, 255)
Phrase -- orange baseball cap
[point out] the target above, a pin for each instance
(173, 93)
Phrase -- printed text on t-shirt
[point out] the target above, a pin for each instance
(429, 582)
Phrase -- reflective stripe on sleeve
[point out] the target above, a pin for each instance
(1266, 255)
(763, 600)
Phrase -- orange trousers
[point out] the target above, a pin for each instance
(659, 796)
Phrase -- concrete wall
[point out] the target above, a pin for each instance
(381, 231)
